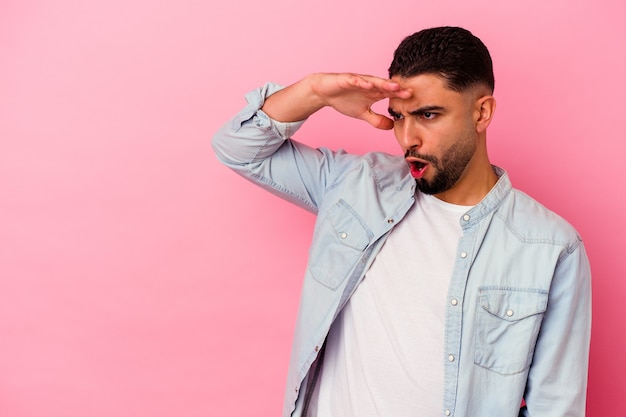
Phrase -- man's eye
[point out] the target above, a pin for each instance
(428, 115)
(397, 117)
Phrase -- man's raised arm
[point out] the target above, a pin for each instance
(256, 142)
(349, 94)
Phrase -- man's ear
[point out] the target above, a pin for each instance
(485, 108)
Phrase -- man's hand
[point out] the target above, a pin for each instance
(349, 94)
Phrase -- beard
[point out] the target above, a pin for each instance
(448, 168)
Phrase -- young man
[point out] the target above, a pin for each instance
(433, 287)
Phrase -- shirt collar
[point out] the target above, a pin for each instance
(493, 198)
(489, 203)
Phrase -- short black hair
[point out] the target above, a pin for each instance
(452, 53)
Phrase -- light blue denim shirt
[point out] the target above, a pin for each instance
(518, 311)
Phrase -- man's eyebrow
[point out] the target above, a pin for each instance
(419, 111)
(426, 109)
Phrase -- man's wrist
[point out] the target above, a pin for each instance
(296, 102)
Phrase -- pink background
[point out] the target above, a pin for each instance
(138, 277)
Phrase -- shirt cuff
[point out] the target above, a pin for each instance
(256, 99)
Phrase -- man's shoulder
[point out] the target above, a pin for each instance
(376, 158)
(386, 169)
(384, 158)
(530, 220)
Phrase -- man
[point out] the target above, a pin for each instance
(433, 287)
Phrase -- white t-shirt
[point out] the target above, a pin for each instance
(384, 353)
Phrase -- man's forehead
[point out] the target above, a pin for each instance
(427, 80)
(426, 90)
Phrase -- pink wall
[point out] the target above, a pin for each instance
(140, 278)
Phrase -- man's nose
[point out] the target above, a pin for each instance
(408, 136)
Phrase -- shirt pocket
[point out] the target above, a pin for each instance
(338, 244)
(507, 325)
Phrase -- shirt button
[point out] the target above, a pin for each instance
(343, 235)
(454, 301)
(451, 358)
(463, 255)
(509, 313)
(448, 412)
(317, 348)
(390, 221)
(466, 217)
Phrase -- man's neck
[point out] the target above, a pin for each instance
(472, 187)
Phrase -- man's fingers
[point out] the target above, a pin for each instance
(378, 120)
(387, 87)
(354, 94)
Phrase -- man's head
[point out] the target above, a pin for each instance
(452, 53)
(442, 126)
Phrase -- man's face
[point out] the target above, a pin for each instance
(436, 131)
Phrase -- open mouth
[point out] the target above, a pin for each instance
(418, 168)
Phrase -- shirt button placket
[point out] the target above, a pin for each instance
(452, 359)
